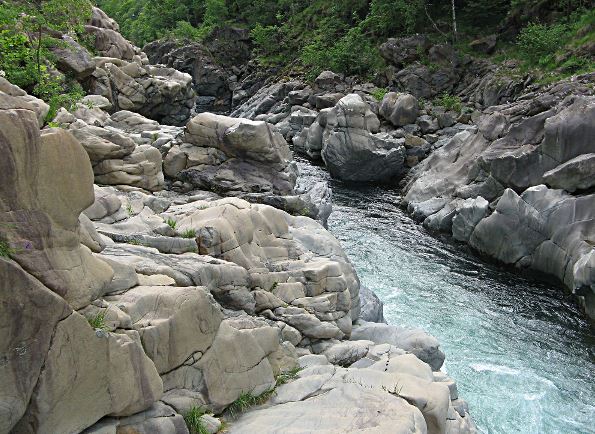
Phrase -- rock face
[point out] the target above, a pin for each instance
(385, 391)
(227, 154)
(52, 274)
(122, 147)
(427, 71)
(349, 147)
(541, 139)
(159, 93)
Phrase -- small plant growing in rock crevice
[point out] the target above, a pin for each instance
(378, 94)
(189, 233)
(98, 321)
(129, 209)
(171, 223)
(287, 376)
(194, 422)
(6, 250)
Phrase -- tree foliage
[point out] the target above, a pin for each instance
(27, 29)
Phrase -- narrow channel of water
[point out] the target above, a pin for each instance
(520, 351)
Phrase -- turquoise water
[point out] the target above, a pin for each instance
(521, 353)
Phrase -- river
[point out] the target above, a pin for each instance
(520, 351)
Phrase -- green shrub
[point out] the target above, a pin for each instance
(378, 94)
(449, 102)
(286, 376)
(538, 42)
(194, 422)
(352, 54)
(247, 400)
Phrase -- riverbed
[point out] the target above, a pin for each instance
(520, 350)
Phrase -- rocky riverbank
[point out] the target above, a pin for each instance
(146, 278)
(514, 181)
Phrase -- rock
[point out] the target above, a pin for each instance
(372, 309)
(402, 51)
(159, 93)
(575, 174)
(327, 80)
(518, 147)
(485, 45)
(228, 154)
(543, 229)
(173, 323)
(12, 96)
(159, 419)
(446, 119)
(416, 341)
(428, 124)
(345, 408)
(237, 361)
(99, 375)
(73, 59)
(350, 151)
(110, 43)
(399, 109)
(471, 212)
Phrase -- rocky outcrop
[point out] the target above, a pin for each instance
(385, 391)
(345, 136)
(542, 138)
(226, 154)
(425, 70)
(218, 65)
(123, 147)
(159, 93)
(55, 359)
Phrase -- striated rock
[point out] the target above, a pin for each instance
(350, 150)
(97, 375)
(159, 93)
(232, 155)
(575, 174)
(416, 341)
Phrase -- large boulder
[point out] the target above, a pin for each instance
(157, 92)
(55, 360)
(349, 147)
(232, 155)
(399, 109)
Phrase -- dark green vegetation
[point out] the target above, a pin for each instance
(27, 33)
(313, 35)
(98, 321)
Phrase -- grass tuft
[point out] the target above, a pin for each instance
(5, 250)
(287, 376)
(189, 233)
(194, 422)
(171, 223)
